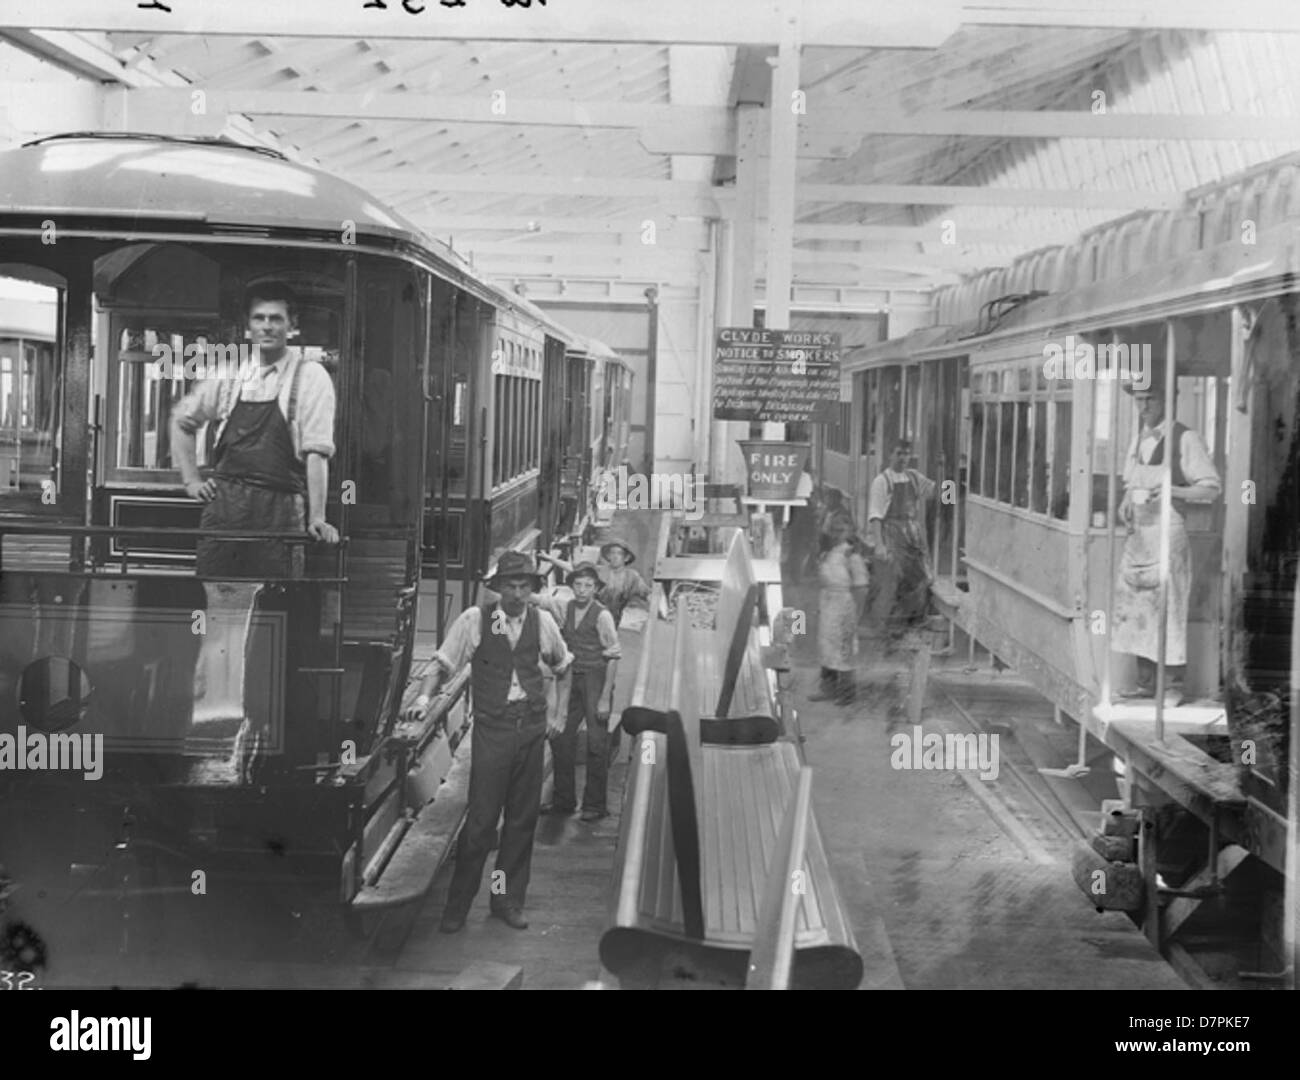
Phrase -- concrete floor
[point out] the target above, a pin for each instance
(950, 882)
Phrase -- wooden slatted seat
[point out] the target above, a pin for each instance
(701, 833)
(734, 698)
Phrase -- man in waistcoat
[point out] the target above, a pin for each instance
(589, 632)
(506, 644)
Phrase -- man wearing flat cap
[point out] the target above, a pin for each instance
(505, 642)
(589, 632)
(1135, 623)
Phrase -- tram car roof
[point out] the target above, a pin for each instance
(214, 187)
(1141, 267)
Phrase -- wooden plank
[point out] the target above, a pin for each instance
(772, 957)
(735, 615)
(969, 195)
(1180, 764)
(423, 849)
(870, 24)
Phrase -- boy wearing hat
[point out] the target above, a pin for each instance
(506, 643)
(623, 585)
(589, 632)
(1135, 623)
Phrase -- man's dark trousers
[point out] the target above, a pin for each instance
(584, 694)
(505, 773)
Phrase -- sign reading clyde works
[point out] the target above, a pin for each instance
(782, 376)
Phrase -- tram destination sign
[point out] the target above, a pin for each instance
(781, 376)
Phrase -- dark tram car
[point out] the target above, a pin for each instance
(248, 727)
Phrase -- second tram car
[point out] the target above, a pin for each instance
(1008, 400)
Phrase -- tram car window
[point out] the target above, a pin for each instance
(29, 384)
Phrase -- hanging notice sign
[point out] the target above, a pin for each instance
(781, 376)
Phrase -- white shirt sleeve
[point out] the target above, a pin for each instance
(878, 498)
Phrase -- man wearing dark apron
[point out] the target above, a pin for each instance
(275, 424)
(272, 455)
(896, 533)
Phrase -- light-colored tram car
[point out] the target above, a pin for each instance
(1001, 398)
(234, 714)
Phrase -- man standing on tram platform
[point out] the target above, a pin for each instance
(900, 567)
(275, 438)
(1135, 622)
(505, 644)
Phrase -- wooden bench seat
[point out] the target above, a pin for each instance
(706, 819)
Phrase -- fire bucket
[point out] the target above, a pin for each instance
(773, 469)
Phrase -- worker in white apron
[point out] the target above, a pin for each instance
(1135, 623)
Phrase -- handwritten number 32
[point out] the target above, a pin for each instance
(7, 977)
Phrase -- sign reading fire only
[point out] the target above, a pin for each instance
(782, 376)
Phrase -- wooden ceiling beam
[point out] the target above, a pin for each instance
(869, 24)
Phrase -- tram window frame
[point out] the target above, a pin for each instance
(46, 360)
(1061, 438)
(1016, 452)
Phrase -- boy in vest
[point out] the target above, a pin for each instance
(589, 632)
(506, 643)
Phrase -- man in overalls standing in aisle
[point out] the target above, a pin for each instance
(900, 568)
(274, 442)
(589, 632)
(505, 643)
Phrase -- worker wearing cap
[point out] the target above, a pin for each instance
(505, 642)
(623, 587)
(589, 632)
(1135, 624)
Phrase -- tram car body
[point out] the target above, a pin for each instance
(1026, 550)
(249, 725)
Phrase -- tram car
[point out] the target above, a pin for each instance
(1008, 398)
(239, 718)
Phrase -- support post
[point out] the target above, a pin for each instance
(783, 139)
